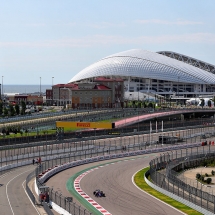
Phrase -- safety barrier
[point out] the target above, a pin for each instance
(169, 182)
(50, 168)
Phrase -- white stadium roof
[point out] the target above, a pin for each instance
(145, 64)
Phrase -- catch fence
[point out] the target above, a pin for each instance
(167, 172)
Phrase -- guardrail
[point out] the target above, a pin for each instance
(164, 172)
(42, 124)
(141, 128)
(82, 155)
(51, 167)
(23, 152)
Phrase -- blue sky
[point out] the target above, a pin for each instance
(58, 39)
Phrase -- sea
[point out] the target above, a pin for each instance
(24, 89)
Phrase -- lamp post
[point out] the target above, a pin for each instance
(94, 136)
(2, 87)
(52, 89)
(52, 80)
(40, 86)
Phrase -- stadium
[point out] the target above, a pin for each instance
(163, 73)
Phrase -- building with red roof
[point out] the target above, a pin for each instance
(100, 93)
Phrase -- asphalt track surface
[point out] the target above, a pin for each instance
(14, 199)
(122, 196)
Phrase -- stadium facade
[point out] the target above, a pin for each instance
(163, 73)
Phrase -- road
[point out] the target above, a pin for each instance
(122, 196)
(14, 200)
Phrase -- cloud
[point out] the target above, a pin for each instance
(167, 22)
(106, 40)
(34, 25)
(105, 25)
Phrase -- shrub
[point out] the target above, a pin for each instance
(213, 172)
(202, 178)
(150, 105)
(198, 176)
(21, 133)
(208, 180)
(206, 174)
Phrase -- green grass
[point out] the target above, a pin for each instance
(140, 182)
(51, 131)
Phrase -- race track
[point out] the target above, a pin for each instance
(122, 196)
(14, 200)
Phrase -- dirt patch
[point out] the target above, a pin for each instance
(189, 177)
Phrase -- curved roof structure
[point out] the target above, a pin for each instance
(192, 61)
(145, 64)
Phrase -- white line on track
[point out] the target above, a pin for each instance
(7, 186)
(151, 195)
(4, 175)
(29, 197)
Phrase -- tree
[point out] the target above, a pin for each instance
(21, 133)
(5, 111)
(198, 176)
(23, 105)
(11, 109)
(143, 104)
(17, 109)
(1, 108)
(202, 178)
(203, 103)
(208, 180)
(3, 131)
(209, 103)
(150, 105)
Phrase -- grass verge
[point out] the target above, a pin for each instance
(140, 182)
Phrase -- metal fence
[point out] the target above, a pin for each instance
(31, 195)
(144, 127)
(47, 209)
(67, 204)
(56, 197)
(43, 124)
(28, 190)
(166, 169)
(17, 153)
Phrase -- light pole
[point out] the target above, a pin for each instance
(40, 86)
(52, 80)
(94, 136)
(52, 90)
(150, 133)
(2, 87)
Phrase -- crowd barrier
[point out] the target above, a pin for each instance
(46, 173)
